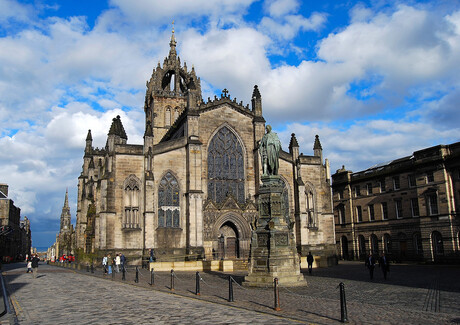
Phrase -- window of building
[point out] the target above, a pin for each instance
(374, 245)
(362, 246)
(340, 194)
(341, 212)
(412, 180)
(384, 211)
(131, 202)
(432, 203)
(225, 167)
(437, 244)
(382, 185)
(396, 184)
(414, 207)
(430, 177)
(371, 212)
(168, 202)
(398, 209)
(369, 188)
(357, 191)
(168, 116)
(359, 213)
(310, 205)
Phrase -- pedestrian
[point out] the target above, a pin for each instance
(29, 265)
(310, 262)
(117, 263)
(104, 264)
(35, 261)
(109, 264)
(384, 264)
(370, 263)
(152, 255)
(123, 261)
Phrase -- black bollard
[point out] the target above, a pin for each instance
(172, 280)
(113, 273)
(197, 284)
(92, 268)
(87, 267)
(343, 304)
(230, 288)
(123, 273)
(137, 275)
(277, 295)
(152, 277)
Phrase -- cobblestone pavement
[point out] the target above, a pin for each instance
(413, 294)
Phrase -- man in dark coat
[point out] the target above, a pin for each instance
(310, 262)
(370, 264)
(384, 265)
(35, 261)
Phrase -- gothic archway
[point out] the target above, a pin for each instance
(231, 237)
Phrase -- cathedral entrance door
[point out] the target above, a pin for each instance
(228, 241)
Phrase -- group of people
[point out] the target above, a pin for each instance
(32, 264)
(384, 264)
(115, 264)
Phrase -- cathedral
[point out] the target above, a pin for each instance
(190, 190)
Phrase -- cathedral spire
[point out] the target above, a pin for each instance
(172, 44)
(65, 215)
(66, 200)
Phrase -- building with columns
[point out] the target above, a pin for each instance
(190, 190)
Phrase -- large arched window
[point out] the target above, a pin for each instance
(168, 202)
(374, 244)
(225, 167)
(131, 202)
(417, 241)
(387, 244)
(437, 244)
(362, 246)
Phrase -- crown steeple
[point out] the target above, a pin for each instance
(172, 44)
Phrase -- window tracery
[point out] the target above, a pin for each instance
(225, 167)
(131, 203)
(168, 202)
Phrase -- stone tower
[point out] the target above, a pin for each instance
(65, 215)
(169, 91)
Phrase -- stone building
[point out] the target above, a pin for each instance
(15, 234)
(65, 239)
(407, 208)
(190, 190)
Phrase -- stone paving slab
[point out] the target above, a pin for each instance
(399, 300)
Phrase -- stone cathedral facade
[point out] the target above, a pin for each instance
(190, 191)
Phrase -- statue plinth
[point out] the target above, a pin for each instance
(273, 249)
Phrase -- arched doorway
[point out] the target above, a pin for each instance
(374, 245)
(362, 247)
(437, 245)
(344, 244)
(228, 241)
(402, 245)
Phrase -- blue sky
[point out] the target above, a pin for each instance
(376, 80)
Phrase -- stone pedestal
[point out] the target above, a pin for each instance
(273, 249)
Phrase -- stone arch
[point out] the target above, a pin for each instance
(232, 236)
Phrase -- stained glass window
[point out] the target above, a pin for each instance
(225, 167)
(168, 202)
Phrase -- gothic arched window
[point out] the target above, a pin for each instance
(225, 167)
(310, 204)
(168, 202)
(168, 116)
(131, 202)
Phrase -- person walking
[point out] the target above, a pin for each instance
(123, 261)
(117, 263)
(370, 263)
(109, 264)
(35, 261)
(29, 265)
(384, 264)
(104, 264)
(310, 262)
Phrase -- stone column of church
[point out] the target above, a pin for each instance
(194, 195)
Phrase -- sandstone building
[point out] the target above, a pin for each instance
(15, 234)
(407, 208)
(190, 190)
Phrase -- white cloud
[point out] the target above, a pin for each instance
(278, 8)
(290, 25)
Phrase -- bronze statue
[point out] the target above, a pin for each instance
(270, 147)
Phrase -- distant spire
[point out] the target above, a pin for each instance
(317, 144)
(66, 200)
(293, 142)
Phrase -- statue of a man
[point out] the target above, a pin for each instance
(270, 147)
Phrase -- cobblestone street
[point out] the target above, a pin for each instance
(412, 295)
